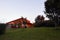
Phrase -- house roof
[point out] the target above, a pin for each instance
(18, 20)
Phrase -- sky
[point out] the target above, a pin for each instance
(14, 9)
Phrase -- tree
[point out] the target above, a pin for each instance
(39, 20)
(52, 10)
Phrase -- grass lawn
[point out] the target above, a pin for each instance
(31, 34)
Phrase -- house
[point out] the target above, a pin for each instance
(19, 23)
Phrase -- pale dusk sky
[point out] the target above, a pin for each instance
(14, 9)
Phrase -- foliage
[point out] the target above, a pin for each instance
(39, 20)
(52, 6)
(45, 23)
(52, 10)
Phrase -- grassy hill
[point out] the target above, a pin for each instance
(31, 34)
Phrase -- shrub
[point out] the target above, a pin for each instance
(2, 28)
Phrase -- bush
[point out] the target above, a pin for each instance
(46, 23)
(2, 28)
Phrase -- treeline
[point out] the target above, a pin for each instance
(40, 22)
(46, 23)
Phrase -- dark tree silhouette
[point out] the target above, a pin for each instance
(52, 10)
(39, 20)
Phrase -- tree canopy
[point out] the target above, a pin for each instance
(52, 6)
(52, 9)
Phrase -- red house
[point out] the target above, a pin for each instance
(19, 23)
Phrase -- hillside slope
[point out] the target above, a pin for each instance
(31, 34)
